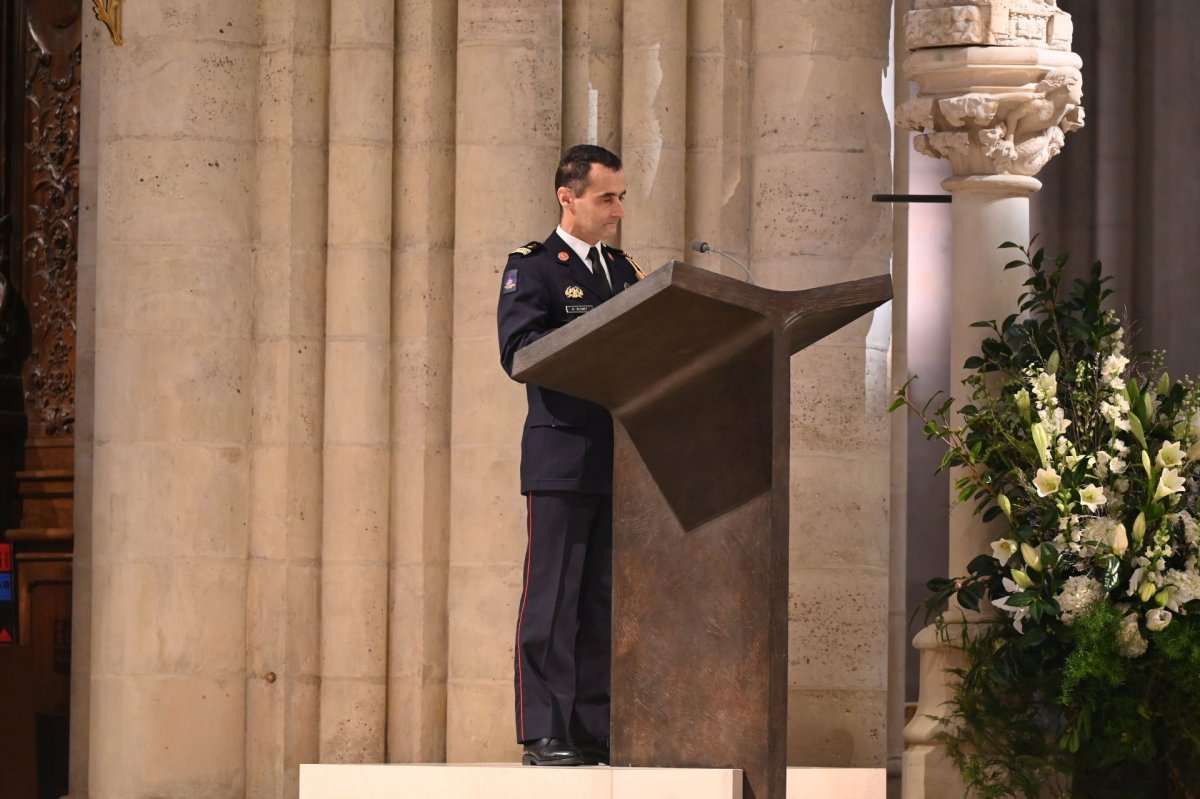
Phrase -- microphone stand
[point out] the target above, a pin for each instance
(704, 246)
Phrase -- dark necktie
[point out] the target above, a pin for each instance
(598, 269)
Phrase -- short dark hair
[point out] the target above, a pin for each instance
(577, 162)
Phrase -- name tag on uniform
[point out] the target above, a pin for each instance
(579, 308)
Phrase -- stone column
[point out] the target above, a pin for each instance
(354, 547)
(654, 130)
(592, 73)
(422, 322)
(284, 582)
(820, 134)
(998, 113)
(174, 232)
(509, 138)
(93, 39)
(898, 551)
(718, 132)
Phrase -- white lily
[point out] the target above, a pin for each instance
(1091, 496)
(1004, 549)
(1046, 482)
(1169, 483)
(1170, 455)
(1019, 614)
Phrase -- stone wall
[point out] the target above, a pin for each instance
(302, 538)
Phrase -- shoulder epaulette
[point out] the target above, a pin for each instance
(637, 270)
(528, 249)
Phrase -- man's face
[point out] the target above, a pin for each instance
(594, 214)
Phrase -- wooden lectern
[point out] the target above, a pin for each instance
(694, 367)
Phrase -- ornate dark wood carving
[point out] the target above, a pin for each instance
(39, 214)
(51, 213)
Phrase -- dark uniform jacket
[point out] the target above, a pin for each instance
(567, 443)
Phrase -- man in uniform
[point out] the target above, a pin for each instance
(563, 640)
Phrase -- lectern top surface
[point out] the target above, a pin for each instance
(680, 313)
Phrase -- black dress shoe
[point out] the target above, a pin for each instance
(593, 752)
(552, 752)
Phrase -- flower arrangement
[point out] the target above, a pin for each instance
(1084, 679)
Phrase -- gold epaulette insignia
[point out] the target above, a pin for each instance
(637, 270)
(528, 249)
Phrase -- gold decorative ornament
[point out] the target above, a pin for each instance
(109, 12)
(637, 270)
(574, 292)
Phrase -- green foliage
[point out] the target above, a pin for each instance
(1089, 685)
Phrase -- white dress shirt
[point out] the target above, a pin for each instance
(581, 247)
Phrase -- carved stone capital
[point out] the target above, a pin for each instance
(942, 23)
(993, 110)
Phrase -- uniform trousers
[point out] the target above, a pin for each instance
(564, 625)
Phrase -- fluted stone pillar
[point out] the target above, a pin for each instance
(654, 130)
(997, 113)
(284, 581)
(820, 136)
(174, 236)
(718, 150)
(357, 452)
(422, 306)
(591, 93)
(306, 521)
(509, 110)
(85, 389)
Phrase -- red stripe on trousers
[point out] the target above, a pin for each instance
(521, 617)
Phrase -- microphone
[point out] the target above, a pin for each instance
(704, 246)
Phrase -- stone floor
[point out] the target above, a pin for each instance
(506, 781)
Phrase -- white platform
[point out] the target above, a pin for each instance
(508, 781)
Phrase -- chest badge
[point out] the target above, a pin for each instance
(562, 256)
(574, 293)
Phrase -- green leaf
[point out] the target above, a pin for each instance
(1111, 570)
(1035, 612)
(1049, 554)
(970, 595)
(896, 403)
(938, 584)
(1135, 427)
(1032, 637)
(1022, 599)
(984, 565)
(1133, 391)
